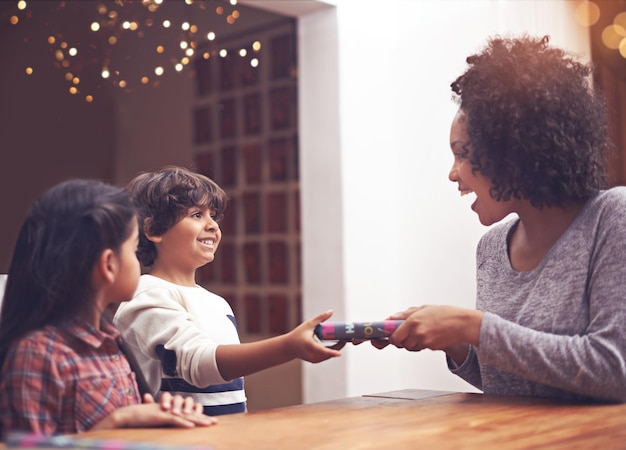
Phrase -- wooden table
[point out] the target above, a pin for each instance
(406, 419)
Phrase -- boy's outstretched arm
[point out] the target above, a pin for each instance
(238, 360)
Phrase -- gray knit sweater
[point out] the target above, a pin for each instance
(558, 331)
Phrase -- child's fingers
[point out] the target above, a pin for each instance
(189, 405)
(178, 404)
(165, 400)
(322, 317)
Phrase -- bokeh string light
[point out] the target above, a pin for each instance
(128, 43)
(613, 36)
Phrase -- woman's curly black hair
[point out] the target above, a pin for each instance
(164, 196)
(538, 129)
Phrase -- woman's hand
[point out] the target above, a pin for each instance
(170, 411)
(435, 327)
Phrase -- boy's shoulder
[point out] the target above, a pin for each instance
(152, 283)
(154, 291)
(147, 281)
(151, 289)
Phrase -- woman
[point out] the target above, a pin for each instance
(529, 139)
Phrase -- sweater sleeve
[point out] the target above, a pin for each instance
(157, 328)
(469, 370)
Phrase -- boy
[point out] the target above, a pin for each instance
(183, 337)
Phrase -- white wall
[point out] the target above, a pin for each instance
(384, 229)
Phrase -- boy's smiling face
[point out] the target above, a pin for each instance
(191, 242)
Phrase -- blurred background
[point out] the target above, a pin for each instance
(327, 122)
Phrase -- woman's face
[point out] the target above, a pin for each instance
(469, 181)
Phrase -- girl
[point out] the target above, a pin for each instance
(62, 367)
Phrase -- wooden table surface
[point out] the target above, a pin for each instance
(402, 420)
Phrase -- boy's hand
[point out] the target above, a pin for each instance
(303, 344)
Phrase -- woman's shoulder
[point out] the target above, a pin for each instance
(615, 194)
(608, 203)
(603, 215)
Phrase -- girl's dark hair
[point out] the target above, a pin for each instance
(537, 128)
(164, 196)
(50, 273)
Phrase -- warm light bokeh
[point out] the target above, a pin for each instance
(121, 20)
(587, 13)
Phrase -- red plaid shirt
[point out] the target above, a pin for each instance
(65, 379)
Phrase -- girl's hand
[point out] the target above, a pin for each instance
(302, 343)
(176, 404)
(170, 411)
